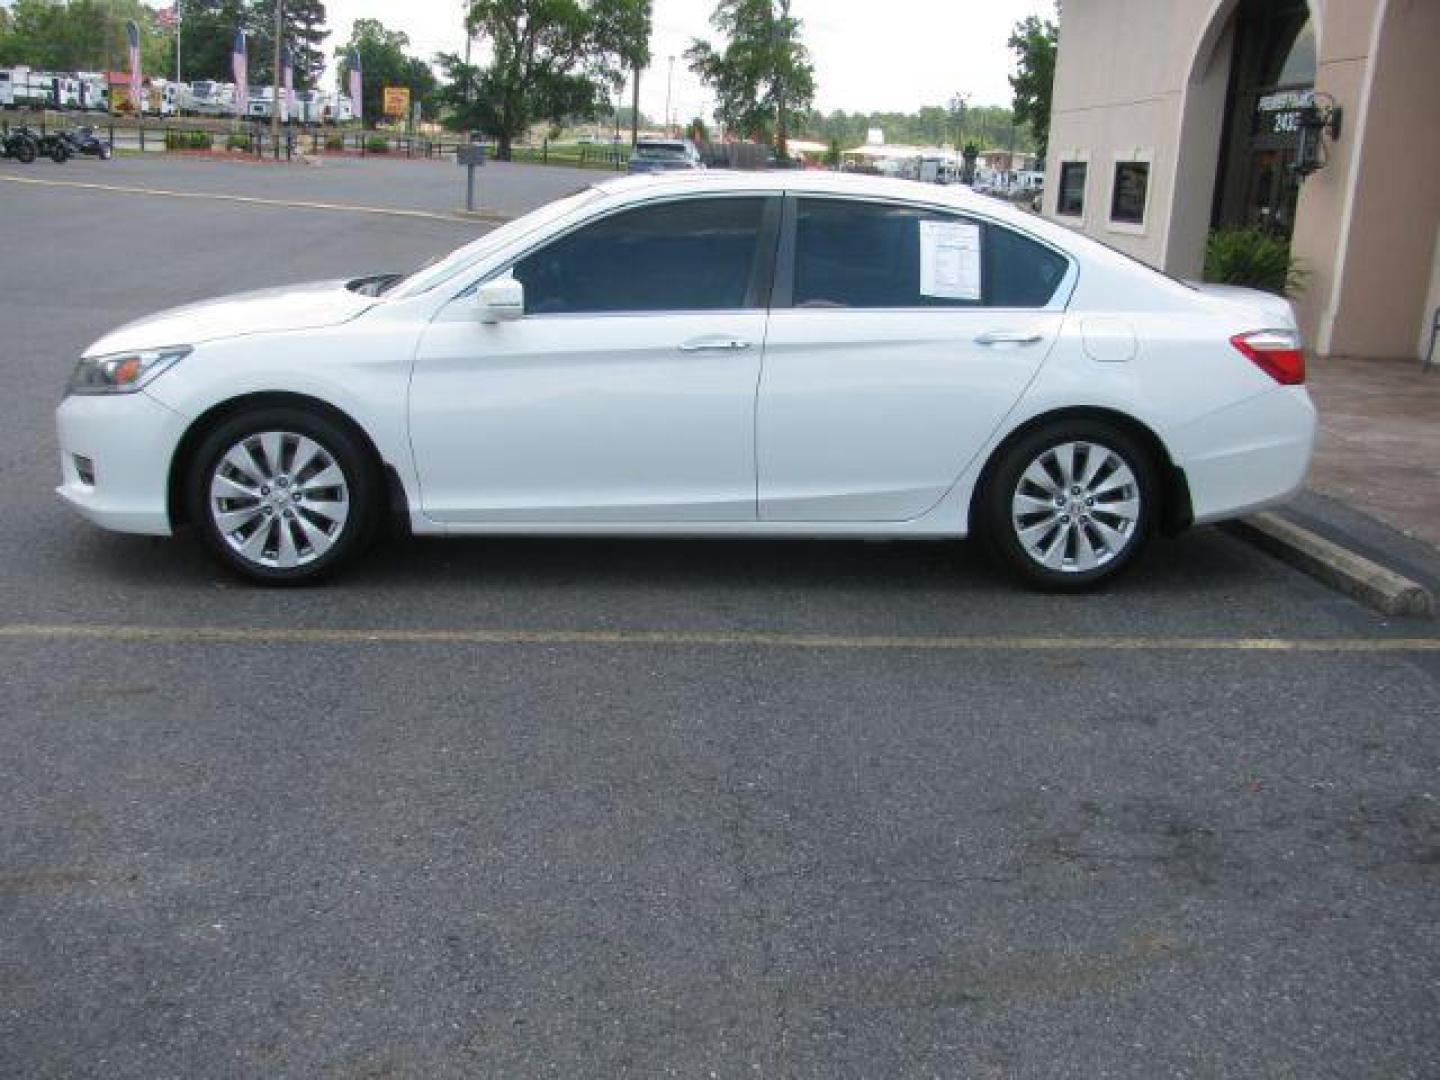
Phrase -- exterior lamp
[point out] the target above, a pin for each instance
(1315, 121)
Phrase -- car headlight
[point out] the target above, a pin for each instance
(123, 373)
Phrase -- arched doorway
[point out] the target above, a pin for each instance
(1272, 74)
(1231, 162)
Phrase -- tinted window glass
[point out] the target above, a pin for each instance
(1071, 197)
(868, 255)
(862, 255)
(1132, 178)
(692, 255)
(1018, 271)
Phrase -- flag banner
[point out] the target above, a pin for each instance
(356, 87)
(240, 63)
(132, 35)
(287, 99)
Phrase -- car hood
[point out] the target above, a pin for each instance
(289, 307)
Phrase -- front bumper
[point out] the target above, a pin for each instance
(128, 441)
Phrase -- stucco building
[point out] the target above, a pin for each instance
(1175, 117)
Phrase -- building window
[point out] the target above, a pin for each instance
(1132, 182)
(1071, 197)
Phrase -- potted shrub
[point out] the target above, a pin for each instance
(1254, 258)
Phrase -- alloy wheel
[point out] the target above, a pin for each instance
(279, 499)
(1076, 507)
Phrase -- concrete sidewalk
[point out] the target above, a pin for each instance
(1379, 444)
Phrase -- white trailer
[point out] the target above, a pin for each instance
(314, 107)
(21, 88)
(261, 104)
(207, 98)
(93, 93)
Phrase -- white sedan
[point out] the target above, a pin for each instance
(714, 354)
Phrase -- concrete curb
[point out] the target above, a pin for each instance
(1384, 590)
(482, 215)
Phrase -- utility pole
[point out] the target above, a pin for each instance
(635, 110)
(469, 37)
(669, 84)
(178, 21)
(275, 79)
(782, 30)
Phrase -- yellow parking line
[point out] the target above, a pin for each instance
(294, 204)
(716, 638)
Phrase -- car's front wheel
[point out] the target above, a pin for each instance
(1070, 505)
(282, 494)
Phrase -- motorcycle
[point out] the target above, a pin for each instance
(54, 145)
(19, 144)
(51, 144)
(84, 142)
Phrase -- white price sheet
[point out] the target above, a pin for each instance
(950, 260)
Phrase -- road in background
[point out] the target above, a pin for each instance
(671, 832)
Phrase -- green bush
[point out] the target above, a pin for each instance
(238, 142)
(335, 142)
(189, 140)
(1254, 258)
(377, 144)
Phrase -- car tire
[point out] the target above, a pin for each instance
(24, 151)
(59, 154)
(283, 494)
(104, 153)
(1070, 505)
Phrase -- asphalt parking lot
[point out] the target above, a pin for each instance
(632, 808)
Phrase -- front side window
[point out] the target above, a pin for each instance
(871, 255)
(1132, 181)
(688, 255)
(1071, 197)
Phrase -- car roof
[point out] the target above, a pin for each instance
(814, 182)
(639, 187)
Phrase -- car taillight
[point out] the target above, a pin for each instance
(1275, 352)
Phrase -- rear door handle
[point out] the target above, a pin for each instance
(1007, 337)
(714, 344)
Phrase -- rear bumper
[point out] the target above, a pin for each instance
(1249, 456)
(128, 441)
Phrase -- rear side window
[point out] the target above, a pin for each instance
(690, 255)
(1019, 272)
(864, 255)
(851, 254)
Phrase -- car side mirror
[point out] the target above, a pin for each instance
(500, 300)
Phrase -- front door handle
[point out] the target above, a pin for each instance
(1007, 337)
(714, 344)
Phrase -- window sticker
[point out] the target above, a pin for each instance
(950, 259)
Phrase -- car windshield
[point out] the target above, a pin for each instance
(668, 151)
(445, 267)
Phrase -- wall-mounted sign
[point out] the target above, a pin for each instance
(1279, 113)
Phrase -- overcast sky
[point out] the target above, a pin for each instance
(869, 55)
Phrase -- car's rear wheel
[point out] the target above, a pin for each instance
(1070, 505)
(283, 494)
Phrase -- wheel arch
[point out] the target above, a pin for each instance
(1176, 513)
(221, 411)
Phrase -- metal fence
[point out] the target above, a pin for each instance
(254, 137)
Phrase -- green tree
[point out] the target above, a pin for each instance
(764, 73)
(384, 62)
(303, 31)
(207, 34)
(1034, 42)
(552, 60)
(83, 35)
